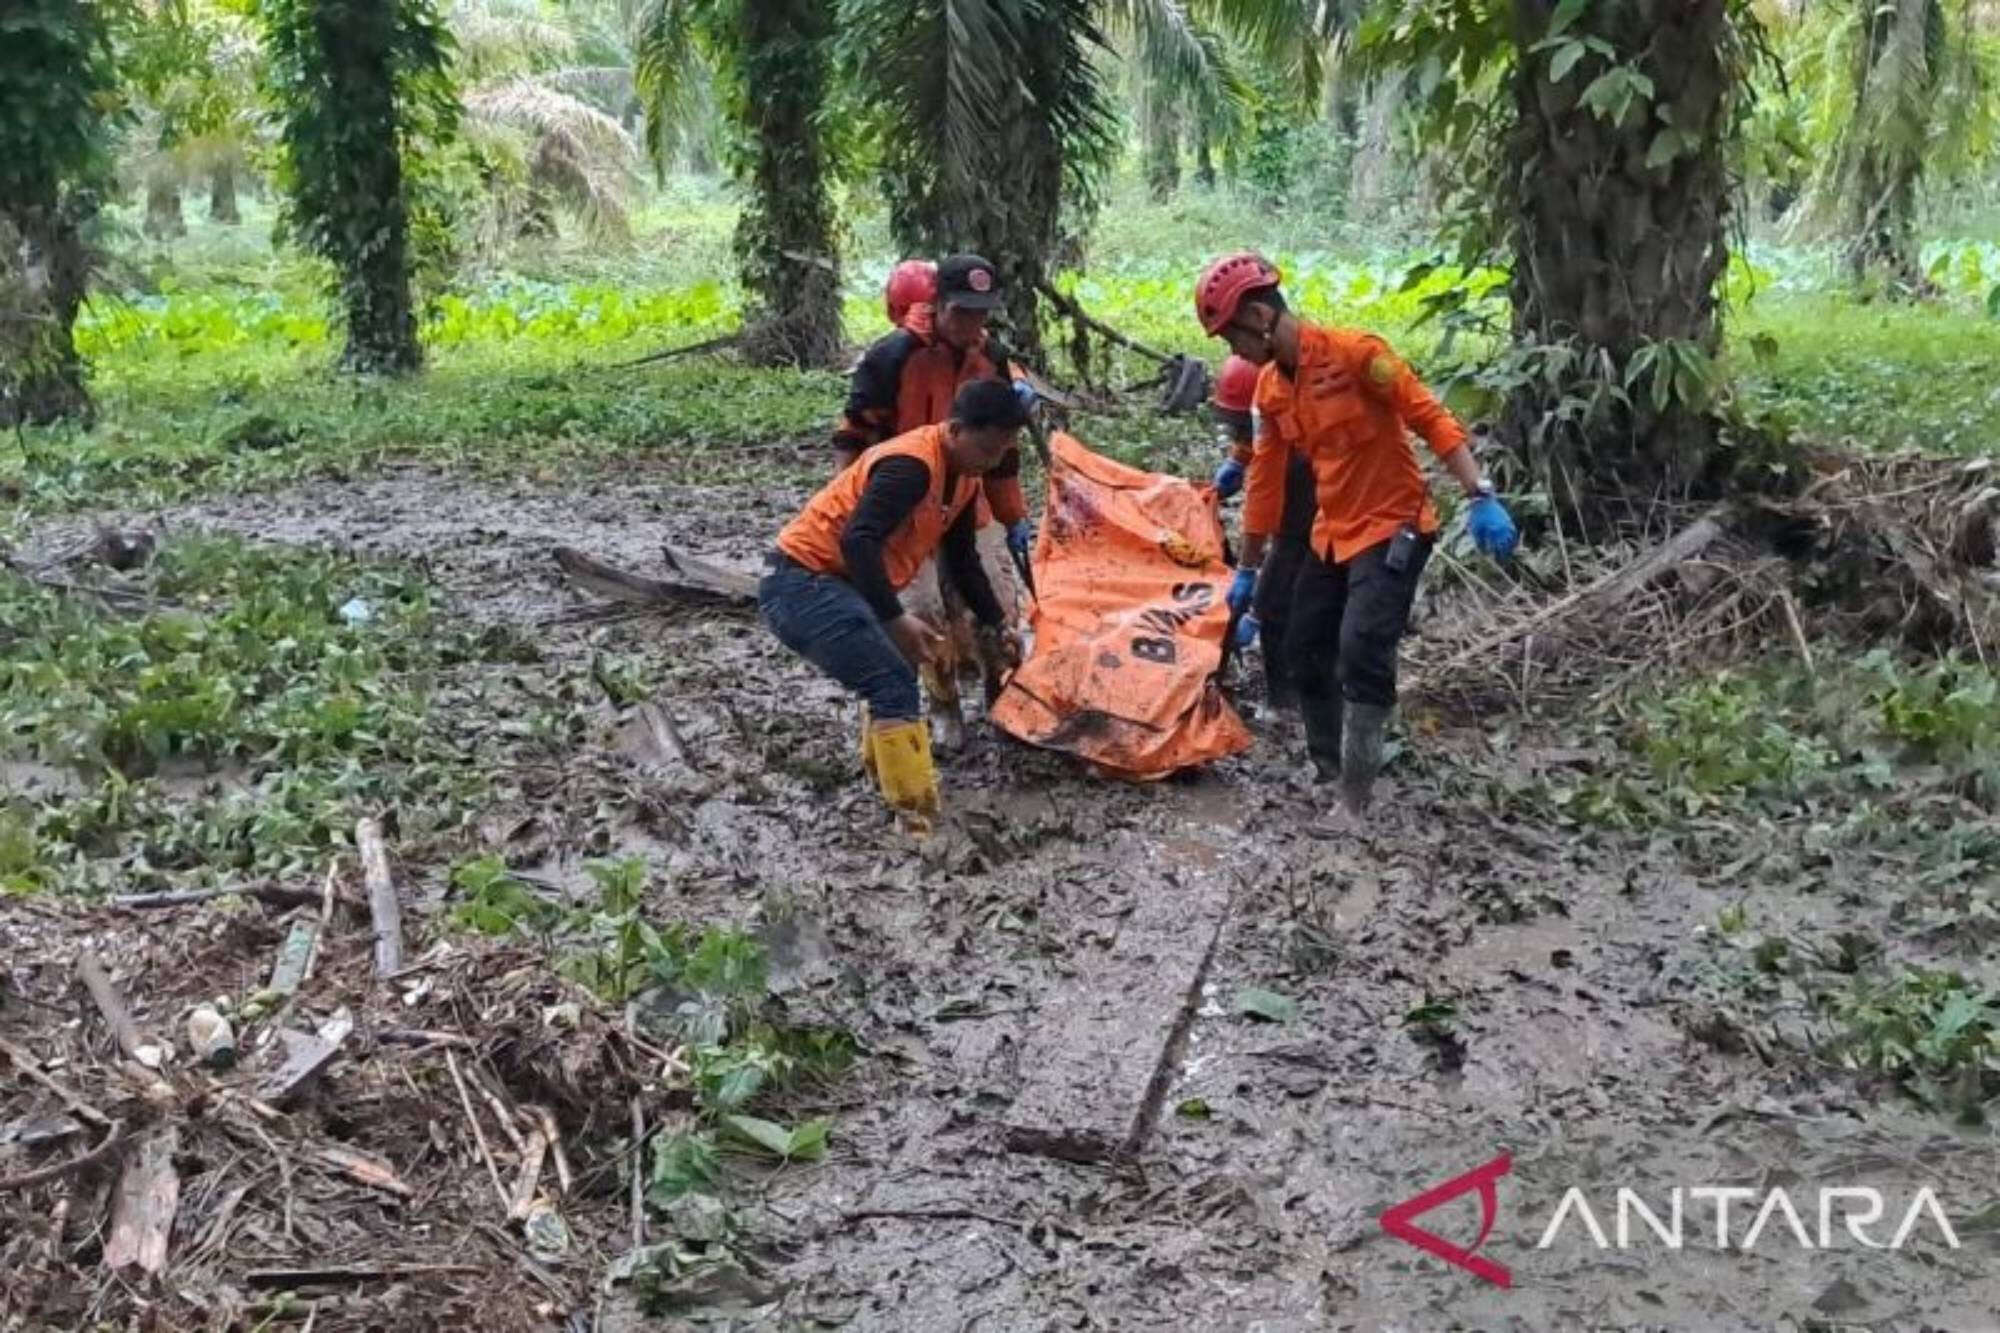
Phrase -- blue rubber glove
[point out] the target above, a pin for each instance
(1229, 478)
(1019, 537)
(1241, 589)
(1246, 631)
(1492, 527)
(1025, 392)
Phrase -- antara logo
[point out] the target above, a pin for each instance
(1860, 1211)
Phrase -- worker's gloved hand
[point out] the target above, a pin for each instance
(1241, 589)
(1246, 631)
(1025, 392)
(1229, 478)
(1019, 538)
(1492, 527)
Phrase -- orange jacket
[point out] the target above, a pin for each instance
(813, 538)
(1346, 412)
(908, 379)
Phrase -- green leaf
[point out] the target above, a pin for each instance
(1993, 302)
(1665, 148)
(1194, 1108)
(1565, 60)
(769, 1135)
(1566, 13)
(808, 1142)
(1765, 348)
(1266, 1004)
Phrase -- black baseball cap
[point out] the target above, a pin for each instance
(969, 282)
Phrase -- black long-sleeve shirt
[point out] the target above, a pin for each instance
(895, 488)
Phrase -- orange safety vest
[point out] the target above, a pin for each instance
(813, 538)
(1347, 412)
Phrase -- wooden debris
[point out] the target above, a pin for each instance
(75, 1105)
(274, 894)
(116, 1015)
(383, 907)
(525, 1185)
(478, 1134)
(142, 1217)
(546, 1118)
(423, 1037)
(359, 1167)
(694, 581)
(113, 1139)
(638, 1174)
(306, 1056)
(286, 1279)
(288, 971)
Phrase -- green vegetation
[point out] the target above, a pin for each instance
(223, 719)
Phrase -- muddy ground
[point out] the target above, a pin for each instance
(1065, 1118)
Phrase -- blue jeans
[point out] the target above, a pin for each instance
(823, 619)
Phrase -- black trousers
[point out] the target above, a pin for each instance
(1275, 584)
(1347, 621)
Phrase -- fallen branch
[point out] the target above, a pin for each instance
(638, 1175)
(74, 1104)
(288, 1278)
(673, 353)
(532, 1157)
(275, 895)
(116, 1015)
(113, 1138)
(1069, 307)
(1613, 587)
(478, 1134)
(383, 908)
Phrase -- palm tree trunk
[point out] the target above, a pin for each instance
(1617, 249)
(43, 271)
(1163, 149)
(1896, 75)
(785, 239)
(364, 171)
(222, 193)
(164, 220)
(1204, 159)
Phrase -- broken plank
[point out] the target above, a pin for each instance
(696, 582)
(142, 1216)
(305, 1057)
(288, 970)
(383, 907)
(1091, 1060)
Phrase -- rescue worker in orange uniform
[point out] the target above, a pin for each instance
(1345, 402)
(906, 379)
(1235, 389)
(831, 593)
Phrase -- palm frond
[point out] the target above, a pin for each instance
(671, 76)
(498, 37)
(530, 105)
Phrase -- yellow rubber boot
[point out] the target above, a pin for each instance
(904, 769)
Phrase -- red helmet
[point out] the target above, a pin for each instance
(1223, 285)
(912, 282)
(1236, 385)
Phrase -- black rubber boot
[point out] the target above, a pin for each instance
(1361, 755)
(1323, 725)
